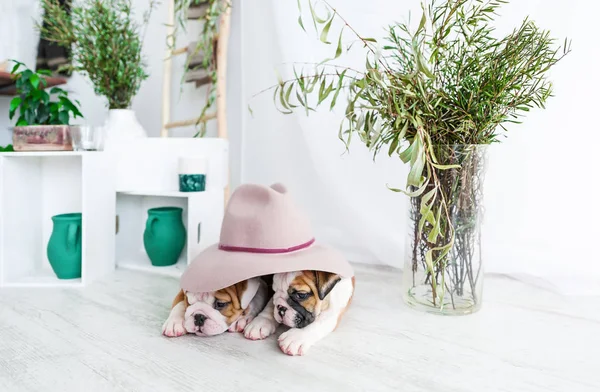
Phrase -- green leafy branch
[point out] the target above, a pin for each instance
(448, 82)
(106, 42)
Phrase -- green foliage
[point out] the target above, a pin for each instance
(449, 81)
(205, 44)
(8, 148)
(35, 105)
(107, 44)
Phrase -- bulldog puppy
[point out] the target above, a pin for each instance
(311, 303)
(209, 314)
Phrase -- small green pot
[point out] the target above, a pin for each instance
(64, 246)
(192, 182)
(164, 237)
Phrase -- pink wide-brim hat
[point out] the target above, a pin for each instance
(263, 232)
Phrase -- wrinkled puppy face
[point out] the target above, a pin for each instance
(210, 314)
(301, 296)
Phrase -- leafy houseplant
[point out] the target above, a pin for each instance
(35, 105)
(44, 116)
(435, 95)
(106, 44)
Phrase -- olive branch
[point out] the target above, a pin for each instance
(106, 43)
(448, 82)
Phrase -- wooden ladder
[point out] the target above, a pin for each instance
(220, 113)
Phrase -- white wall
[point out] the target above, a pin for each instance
(537, 180)
(187, 101)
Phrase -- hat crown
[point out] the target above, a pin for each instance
(265, 218)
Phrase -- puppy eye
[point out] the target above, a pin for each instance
(301, 295)
(220, 305)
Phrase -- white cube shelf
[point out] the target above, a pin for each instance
(150, 165)
(202, 216)
(148, 177)
(136, 176)
(34, 186)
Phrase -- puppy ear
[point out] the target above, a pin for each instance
(325, 282)
(181, 297)
(191, 298)
(246, 290)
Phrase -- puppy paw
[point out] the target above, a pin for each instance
(260, 328)
(295, 342)
(240, 325)
(173, 327)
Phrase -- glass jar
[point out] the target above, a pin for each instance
(444, 273)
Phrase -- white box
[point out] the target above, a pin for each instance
(152, 164)
(34, 186)
(148, 177)
(202, 217)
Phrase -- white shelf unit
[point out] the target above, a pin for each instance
(34, 186)
(148, 177)
(202, 216)
(150, 165)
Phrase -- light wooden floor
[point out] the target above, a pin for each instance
(107, 338)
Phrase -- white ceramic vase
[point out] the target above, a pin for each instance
(121, 127)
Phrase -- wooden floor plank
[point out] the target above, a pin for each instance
(106, 337)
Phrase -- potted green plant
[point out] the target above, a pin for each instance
(43, 117)
(106, 41)
(435, 94)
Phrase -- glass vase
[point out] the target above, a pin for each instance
(444, 274)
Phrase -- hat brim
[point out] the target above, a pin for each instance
(215, 269)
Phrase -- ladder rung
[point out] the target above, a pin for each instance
(185, 49)
(177, 52)
(194, 121)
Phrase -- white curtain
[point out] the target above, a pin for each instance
(541, 214)
(19, 41)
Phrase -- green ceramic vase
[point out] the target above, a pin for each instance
(164, 237)
(64, 246)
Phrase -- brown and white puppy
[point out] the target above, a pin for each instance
(311, 303)
(209, 314)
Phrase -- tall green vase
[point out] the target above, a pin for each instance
(164, 237)
(64, 246)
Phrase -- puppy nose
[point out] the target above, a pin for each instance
(199, 320)
(281, 310)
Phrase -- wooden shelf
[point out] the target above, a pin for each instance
(8, 87)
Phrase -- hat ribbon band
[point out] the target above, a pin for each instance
(228, 248)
